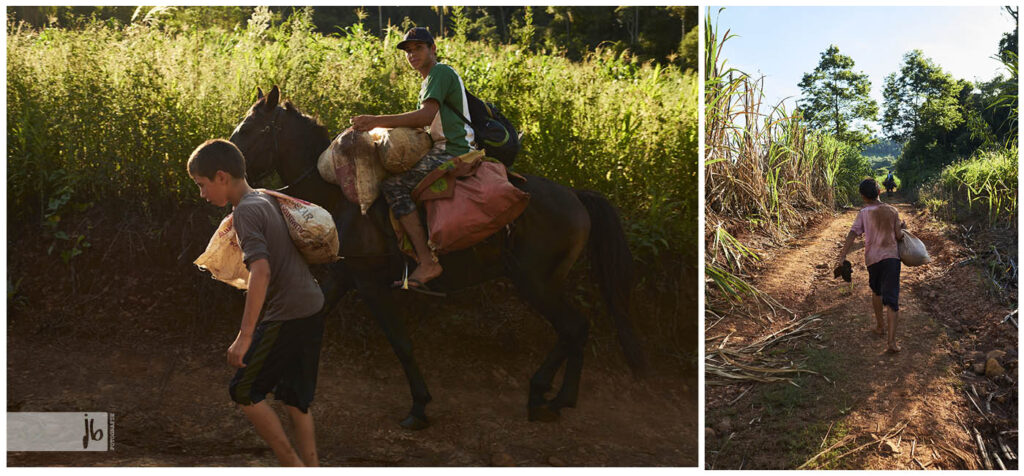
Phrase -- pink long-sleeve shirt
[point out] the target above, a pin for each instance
(878, 223)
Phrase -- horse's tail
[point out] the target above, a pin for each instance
(612, 265)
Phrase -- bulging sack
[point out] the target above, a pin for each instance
(351, 162)
(311, 228)
(467, 200)
(912, 251)
(223, 256)
(400, 148)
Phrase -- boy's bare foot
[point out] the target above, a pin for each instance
(878, 331)
(425, 272)
(893, 348)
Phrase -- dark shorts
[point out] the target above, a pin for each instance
(397, 189)
(283, 358)
(884, 279)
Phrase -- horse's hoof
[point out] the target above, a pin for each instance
(543, 413)
(414, 423)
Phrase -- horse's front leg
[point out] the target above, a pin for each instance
(378, 299)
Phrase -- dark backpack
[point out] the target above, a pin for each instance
(494, 133)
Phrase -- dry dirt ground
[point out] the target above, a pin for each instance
(127, 329)
(948, 319)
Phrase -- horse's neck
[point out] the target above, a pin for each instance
(297, 168)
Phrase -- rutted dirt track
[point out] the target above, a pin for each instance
(137, 341)
(862, 393)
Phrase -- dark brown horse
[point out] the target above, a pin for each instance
(536, 252)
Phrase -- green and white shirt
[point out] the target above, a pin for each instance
(449, 132)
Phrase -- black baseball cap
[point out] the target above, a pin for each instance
(418, 33)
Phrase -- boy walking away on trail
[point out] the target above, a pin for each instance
(452, 137)
(281, 353)
(882, 229)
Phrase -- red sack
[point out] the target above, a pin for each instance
(468, 200)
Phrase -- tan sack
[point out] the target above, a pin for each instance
(311, 228)
(326, 163)
(223, 256)
(400, 148)
(912, 250)
(351, 162)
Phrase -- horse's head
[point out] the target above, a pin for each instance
(257, 135)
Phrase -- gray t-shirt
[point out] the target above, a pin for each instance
(262, 233)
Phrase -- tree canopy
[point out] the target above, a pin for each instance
(920, 96)
(837, 99)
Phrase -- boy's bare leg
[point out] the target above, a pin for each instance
(268, 426)
(876, 303)
(305, 436)
(893, 317)
(427, 269)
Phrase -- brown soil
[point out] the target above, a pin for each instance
(947, 315)
(130, 327)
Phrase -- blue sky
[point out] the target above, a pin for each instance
(783, 43)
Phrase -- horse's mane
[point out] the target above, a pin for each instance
(312, 121)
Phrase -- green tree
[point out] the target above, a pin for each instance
(688, 45)
(836, 98)
(934, 115)
(1008, 44)
(920, 95)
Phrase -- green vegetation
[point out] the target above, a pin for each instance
(835, 98)
(810, 440)
(960, 155)
(882, 147)
(942, 120)
(763, 169)
(663, 34)
(981, 187)
(107, 114)
(880, 177)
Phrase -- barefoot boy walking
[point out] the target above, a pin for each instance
(280, 354)
(882, 229)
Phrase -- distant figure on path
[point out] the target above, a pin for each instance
(882, 229)
(889, 183)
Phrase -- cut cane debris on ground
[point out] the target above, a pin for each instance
(816, 390)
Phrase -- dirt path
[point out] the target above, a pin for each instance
(863, 392)
(141, 343)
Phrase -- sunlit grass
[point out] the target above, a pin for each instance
(110, 115)
(764, 168)
(984, 186)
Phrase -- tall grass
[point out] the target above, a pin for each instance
(764, 167)
(983, 187)
(109, 115)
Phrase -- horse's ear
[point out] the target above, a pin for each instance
(259, 94)
(273, 98)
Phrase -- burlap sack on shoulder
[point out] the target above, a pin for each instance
(311, 228)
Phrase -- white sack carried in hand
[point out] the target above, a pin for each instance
(912, 250)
